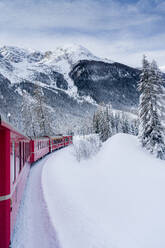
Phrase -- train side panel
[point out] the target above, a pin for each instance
(56, 142)
(32, 151)
(70, 140)
(39, 147)
(66, 140)
(4, 187)
(20, 167)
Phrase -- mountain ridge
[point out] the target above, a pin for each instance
(73, 78)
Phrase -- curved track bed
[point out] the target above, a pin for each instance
(33, 228)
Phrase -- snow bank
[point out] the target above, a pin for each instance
(33, 226)
(86, 146)
(113, 200)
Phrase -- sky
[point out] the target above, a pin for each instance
(120, 30)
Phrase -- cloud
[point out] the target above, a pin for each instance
(79, 15)
(109, 28)
(162, 68)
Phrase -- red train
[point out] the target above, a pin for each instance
(17, 153)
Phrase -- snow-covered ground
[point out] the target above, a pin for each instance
(113, 200)
(33, 227)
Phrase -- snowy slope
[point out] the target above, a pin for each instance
(62, 59)
(114, 200)
(73, 80)
(18, 64)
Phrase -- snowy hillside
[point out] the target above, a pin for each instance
(114, 200)
(19, 64)
(73, 80)
(64, 58)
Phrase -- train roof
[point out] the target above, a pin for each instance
(6, 124)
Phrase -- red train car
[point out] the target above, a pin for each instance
(56, 143)
(17, 153)
(39, 148)
(14, 169)
(68, 140)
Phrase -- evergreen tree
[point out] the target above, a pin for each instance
(151, 130)
(101, 122)
(156, 142)
(144, 108)
(125, 124)
(106, 128)
(96, 123)
(112, 122)
(41, 113)
(28, 115)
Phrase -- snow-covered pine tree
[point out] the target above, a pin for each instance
(41, 113)
(125, 124)
(27, 115)
(156, 142)
(96, 123)
(112, 122)
(134, 127)
(107, 123)
(119, 124)
(144, 88)
(101, 122)
(151, 130)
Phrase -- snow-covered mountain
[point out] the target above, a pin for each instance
(73, 79)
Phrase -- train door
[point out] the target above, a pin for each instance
(13, 163)
(20, 156)
(23, 153)
(51, 145)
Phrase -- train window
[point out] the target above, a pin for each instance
(27, 151)
(23, 153)
(13, 168)
(20, 156)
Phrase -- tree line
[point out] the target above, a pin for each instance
(149, 124)
(107, 122)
